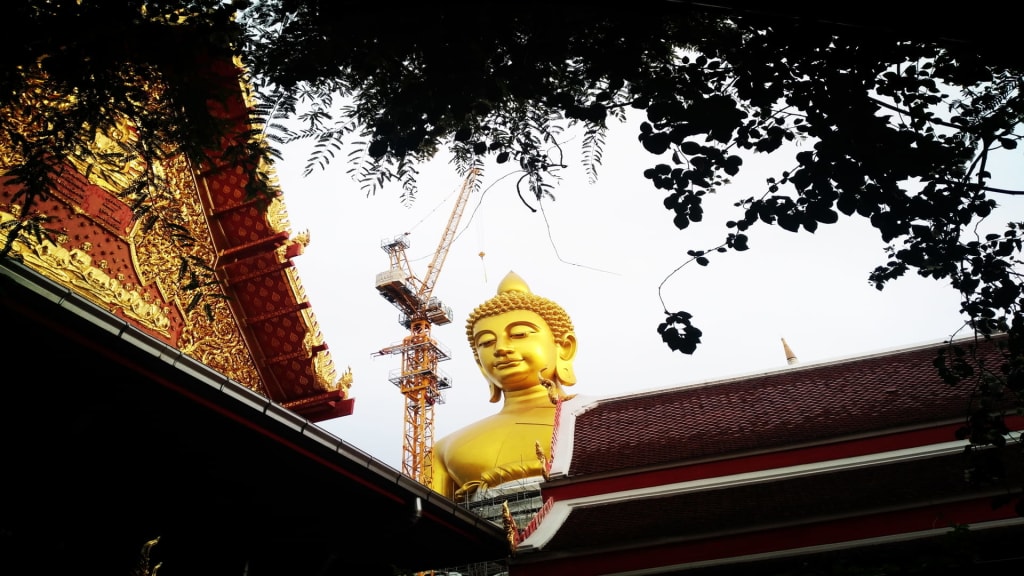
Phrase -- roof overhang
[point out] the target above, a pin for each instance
(111, 437)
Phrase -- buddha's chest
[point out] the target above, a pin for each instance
(505, 443)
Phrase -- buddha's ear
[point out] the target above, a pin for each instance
(567, 347)
(566, 353)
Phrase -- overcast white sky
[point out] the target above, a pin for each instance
(601, 251)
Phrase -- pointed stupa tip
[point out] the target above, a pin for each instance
(512, 282)
(790, 357)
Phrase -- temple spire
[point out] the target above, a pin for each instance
(790, 357)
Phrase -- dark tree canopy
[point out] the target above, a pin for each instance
(76, 71)
(901, 115)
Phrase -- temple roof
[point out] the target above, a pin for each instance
(795, 405)
(807, 460)
(213, 277)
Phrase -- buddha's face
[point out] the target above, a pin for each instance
(514, 348)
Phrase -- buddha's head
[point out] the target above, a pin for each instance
(519, 338)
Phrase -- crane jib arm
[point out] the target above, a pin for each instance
(434, 269)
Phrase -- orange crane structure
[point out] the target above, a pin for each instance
(419, 380)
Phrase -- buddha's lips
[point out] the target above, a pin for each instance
(506, 363)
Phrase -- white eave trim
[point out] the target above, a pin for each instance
(561, 509)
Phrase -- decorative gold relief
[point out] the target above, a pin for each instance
(74, 268)
(121, 166)
(323, 365)
(545, 462)
(511, 530)
(144, 567)
(110, 160)
(149, 265)
(556, 393)
(302, 238)
(212, 339)
(110, 164)
(217, 344)
(277, 215)
(345, 382)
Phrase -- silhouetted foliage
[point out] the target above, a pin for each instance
(899, 124)
(75, 71)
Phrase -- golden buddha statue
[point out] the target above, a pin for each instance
(524, 345)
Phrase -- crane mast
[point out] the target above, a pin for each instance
(419, 380)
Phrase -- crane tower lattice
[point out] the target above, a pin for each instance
(419, 380)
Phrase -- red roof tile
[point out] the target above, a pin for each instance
(795, 406)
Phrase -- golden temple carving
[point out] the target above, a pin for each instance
(326, 374)
(110, 160)
(213, 338)
(556, 393)
(545, 462)
(345, 382)
(121, 166)
(74, 268)
(144, 566)
(110, 163)
(169, 279)
(277, 216)
(511, 529)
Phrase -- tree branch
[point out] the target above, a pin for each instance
(984, 188)
(908, 113)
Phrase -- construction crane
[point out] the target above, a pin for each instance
(419, 380)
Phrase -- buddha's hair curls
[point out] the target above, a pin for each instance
(553, 314)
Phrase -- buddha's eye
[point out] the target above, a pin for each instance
(484, 342)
